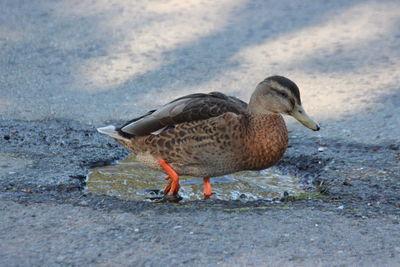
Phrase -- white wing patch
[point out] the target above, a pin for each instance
(159, 131)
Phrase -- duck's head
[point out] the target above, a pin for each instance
(278, 94)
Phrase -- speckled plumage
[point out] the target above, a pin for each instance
(217, 146)
(213, 134)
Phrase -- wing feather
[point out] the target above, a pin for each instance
(184, 109)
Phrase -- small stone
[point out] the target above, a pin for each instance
(83, 203)
(394, 147)
(156, 239)
(29, 191)
(60, 258)
(6, 137)
(346, 183)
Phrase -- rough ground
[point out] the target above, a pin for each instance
(68, 66)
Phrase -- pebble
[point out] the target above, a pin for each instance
(83, 203)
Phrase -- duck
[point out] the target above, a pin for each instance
(211, 134)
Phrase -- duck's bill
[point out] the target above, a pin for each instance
(299, 114)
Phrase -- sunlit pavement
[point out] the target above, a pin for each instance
(110, 60)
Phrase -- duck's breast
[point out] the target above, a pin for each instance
(266, 142)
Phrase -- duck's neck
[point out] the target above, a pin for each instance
(267, 139)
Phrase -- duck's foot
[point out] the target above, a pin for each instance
(207, 188)
(168, 186)
(172, 198)
(167, 196)
(172, 188)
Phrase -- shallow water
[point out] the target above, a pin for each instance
(131, 180)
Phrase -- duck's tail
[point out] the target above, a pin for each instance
(111, 130)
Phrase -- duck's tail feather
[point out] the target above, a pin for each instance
(110, 130)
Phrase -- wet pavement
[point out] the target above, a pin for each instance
(69, 67)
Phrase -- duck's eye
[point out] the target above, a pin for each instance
(282, 94)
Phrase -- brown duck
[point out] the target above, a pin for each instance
(208, 135)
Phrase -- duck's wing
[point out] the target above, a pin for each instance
(184, 109)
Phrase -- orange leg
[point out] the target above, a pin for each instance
(172, 187)
(207, 188)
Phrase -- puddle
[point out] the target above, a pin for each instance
(131, 180)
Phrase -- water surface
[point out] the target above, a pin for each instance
(131, 180)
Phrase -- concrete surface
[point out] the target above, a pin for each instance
(67, 67)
